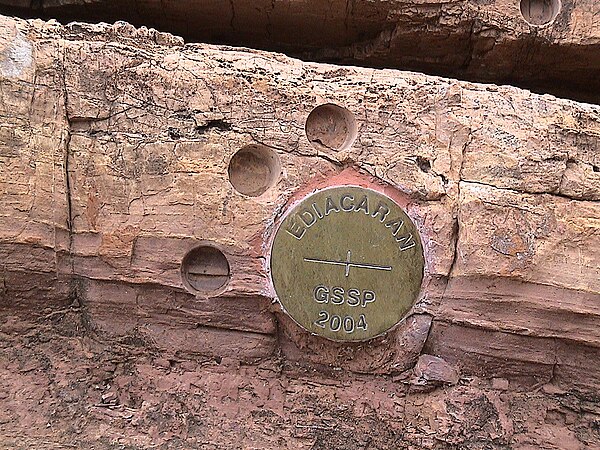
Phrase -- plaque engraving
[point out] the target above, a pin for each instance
(347, 263)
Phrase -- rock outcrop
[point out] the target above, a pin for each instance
(115, 157)
(545, 45)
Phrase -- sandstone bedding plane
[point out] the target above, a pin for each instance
(116, 157)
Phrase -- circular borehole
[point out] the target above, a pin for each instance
(254, 169)
(540, 12)
(205, 269)
(331, 126)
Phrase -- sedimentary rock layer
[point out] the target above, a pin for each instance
(116, 147)
(546, 45)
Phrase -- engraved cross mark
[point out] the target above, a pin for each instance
(348, 263)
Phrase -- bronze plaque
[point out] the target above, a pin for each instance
(347, 263)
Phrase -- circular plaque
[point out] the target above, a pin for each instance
(347, 263)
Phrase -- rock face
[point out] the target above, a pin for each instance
(546, 45)
(121, 150)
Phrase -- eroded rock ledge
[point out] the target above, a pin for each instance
(549, 46)
(115, 147)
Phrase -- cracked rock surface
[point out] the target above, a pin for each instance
(545, 45)
(115, 145)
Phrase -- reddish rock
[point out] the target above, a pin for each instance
(431, 370)
(115, 147)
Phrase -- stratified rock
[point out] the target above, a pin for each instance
(116, 150)
(549, 45)
(116, 153)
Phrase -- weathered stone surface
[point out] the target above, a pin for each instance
(498, 41)
(432, 371)
(64, 391)
(525, 360)
(391, 354)
(143, 141)
(114, 163)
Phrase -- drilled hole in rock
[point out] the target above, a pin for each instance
(205, 269)
(540, 12)
(254, 169)
(331, 126)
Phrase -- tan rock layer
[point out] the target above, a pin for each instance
(115, 152)
(549, 46)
